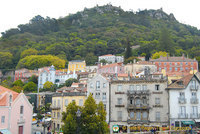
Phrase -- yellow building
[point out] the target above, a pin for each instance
(77, 65)
(59, 103)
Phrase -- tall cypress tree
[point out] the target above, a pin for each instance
(128, 52)
(165, 41)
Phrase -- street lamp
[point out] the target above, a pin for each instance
(78, 114)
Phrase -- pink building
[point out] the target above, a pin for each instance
(24, 74)
(15, 112)
(115, 68)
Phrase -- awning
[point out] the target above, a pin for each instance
(197, 120)
(5, 131)
(188, 122)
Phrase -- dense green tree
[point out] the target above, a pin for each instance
(6, 60)
(37, 61)
(30, 87)
(34, 79)
(69, 119)
(103, 61)
(18, 83)
(128, 52)
(165, 41)
(28, 52)
(17, 89)
(69, 82)
(131, 60)
(158, 54)
(90, 59)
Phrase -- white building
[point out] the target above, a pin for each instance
(111, 58)
(99, 87)
(54, 76)
(184, 104)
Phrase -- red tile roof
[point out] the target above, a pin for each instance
(112, 65)
(173, 59)
(107, 55)
(3, 95)
(181, 83)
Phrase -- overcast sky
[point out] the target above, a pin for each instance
(15, 12)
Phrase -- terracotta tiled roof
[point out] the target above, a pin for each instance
(3, 94)
(107, 55)
(173, 59)
(112, 65)
(177, 73)
(145, 63)
(181, 83)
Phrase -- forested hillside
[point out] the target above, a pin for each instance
(96, 31)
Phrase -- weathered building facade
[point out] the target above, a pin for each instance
(138, 102)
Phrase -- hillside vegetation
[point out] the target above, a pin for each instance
(97, 31)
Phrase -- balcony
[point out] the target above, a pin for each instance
(194, 115)
(132, 121)
(140, 106)
(182, 116)
(194, 101)
(55, 107)
(138, 92)
(194, 88)
(182, 100)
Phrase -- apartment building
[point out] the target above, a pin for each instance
(138, 102)
(184, 106)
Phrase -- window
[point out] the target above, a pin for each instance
(104, 96)
(170, 68)
(104, 85)
(91, 85)
(175, 64)
(159, 63)
(170, 63)
(58, 115)
(165, 63)
(131, 101)
(192, 68)
(97, 96)
(131, 114)
(138, 116)
(144, 87)
(98, 85)
(157, 101)
(54, 103)
(119, 115)
(21, 109)
(54, 114)
(191, 63)
(182, 110)
(144, 115)
(194, 95)
(119, 101)
(186, 68)
(131, 87)
(138, 87)
(157, 116)
(176, 68)
(194, 110)
(104, 106)
(66, 102)
(181, 68)
(181, 63)
(81, 102)
(2, 119)
(138, 101)
(58, 103)
(182, 95)
(157, 87)
(159, 68)
(186, 63)
(119, 88)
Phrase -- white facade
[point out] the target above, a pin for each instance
(99, 87)
(111, 58)
(184, 102)
(49, 74)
